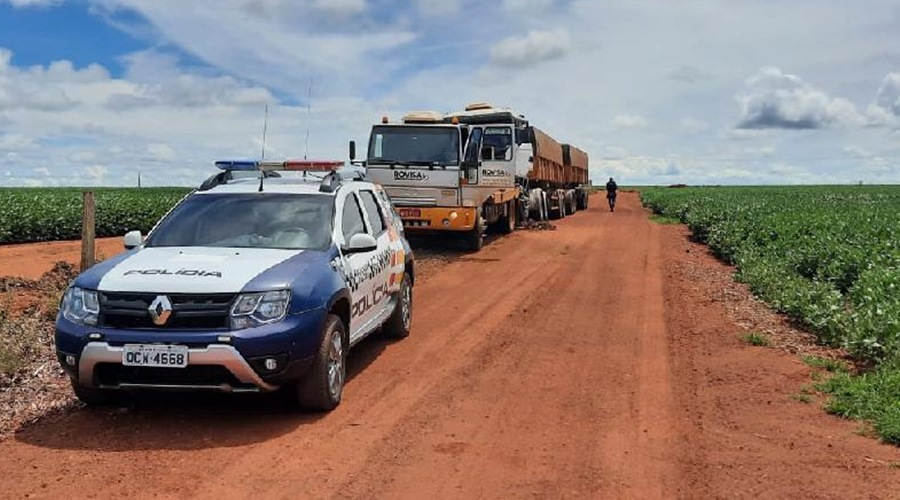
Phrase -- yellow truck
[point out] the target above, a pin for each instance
(467, 171)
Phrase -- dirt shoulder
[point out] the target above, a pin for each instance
(599, 360)
(32, 260)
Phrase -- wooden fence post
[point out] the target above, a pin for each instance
(87, 230)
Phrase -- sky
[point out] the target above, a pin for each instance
(96, 92)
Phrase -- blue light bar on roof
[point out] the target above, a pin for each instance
(238, 164)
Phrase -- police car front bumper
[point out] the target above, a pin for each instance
(225, 356)
(217, 360)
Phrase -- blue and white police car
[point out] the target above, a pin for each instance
(254, 282)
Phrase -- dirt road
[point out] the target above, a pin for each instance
(587, 362)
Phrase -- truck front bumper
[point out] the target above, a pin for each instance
(423, 219)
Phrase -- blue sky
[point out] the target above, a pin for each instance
(660, 92)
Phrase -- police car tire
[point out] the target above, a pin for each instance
(394, 327)
(91, 396)
(312, 391)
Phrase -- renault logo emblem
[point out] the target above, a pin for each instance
(160, 310)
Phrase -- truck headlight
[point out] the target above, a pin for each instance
(80, 306)
(256, 309)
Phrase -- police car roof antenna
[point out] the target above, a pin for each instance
(262, 175)
(308, 106)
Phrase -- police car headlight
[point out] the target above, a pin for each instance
(256, 309)
(80, 306)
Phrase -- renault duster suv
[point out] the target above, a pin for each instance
(252, 283)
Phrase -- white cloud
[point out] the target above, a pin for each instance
(12, 143)
(340, 7)
(773, 99)
(570, 66)
(688, 74)
(32, 3)
(889, 94)
(858, 152)
(629, 122)
(532, 49)
(527, 6)
(438, 8)
(694, 125)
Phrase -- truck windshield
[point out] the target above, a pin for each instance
(257, 220)
(414, 146)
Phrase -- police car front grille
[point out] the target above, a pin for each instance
(189, 311)
(110, 374)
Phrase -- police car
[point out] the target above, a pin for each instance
(254, 282)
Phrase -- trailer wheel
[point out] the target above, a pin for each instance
(474, 239)
(545, 207)
(581, 200)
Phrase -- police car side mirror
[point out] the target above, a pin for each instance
(361, 242)
(133, 239)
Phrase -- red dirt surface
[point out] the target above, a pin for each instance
(588, 362)
(31, 260)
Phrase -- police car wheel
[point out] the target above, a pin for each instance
(322, 387)
(397, 325)
(93, 397)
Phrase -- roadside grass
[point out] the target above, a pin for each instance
(806, 395)
(756, 339)
(873, 397)
(664, 219)
(827, 364)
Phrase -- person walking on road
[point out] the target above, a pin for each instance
(611, 189)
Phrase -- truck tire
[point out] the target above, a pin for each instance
(474, 239)
(93, 397)
(507, 224)
(397, 325)
(322, 387)
(581, 199)
(544, 209)
(560, 211)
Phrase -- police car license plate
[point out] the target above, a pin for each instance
(160, 356)
(410, 212)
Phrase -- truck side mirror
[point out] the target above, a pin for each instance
(352, 150)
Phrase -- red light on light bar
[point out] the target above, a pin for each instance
(313, 165)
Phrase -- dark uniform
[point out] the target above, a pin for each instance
(611, 188)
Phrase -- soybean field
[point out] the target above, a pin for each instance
(48, 214)
(829, 257)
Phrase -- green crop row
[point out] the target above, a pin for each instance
(827, 256)
(47, 214)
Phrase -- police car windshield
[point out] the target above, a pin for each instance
(252, 220)
(414, 146)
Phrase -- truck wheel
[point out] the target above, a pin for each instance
(323, 385)
(581, 201)
(93, 397)
(397, 326)
(474, 239)
(507, 224)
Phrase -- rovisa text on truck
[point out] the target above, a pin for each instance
(463, 172)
